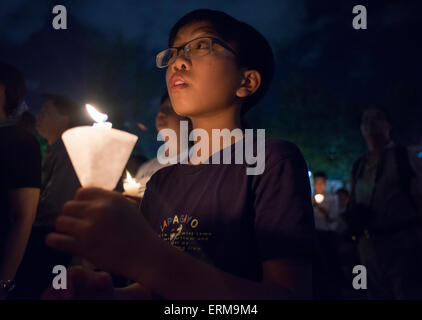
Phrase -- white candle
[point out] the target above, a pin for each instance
(98, 153)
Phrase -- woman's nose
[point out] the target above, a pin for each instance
(181, 63)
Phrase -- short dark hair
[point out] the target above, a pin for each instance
(383, 111)
(65, 106)
(254, 51)
(15, 89)
(320, 174)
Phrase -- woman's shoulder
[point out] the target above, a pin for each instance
(161, 173)
(277, 150)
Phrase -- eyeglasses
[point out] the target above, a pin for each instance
(195, 48)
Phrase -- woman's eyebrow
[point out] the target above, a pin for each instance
(205, 29)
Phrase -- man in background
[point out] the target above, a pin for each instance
(20, 171)
(166, 119)
(382, 213)
(58, 185)
(326, 214)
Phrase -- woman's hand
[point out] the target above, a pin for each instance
(135, 200)
(104, 228)
(83, 284)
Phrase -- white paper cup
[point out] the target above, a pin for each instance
(98, 155)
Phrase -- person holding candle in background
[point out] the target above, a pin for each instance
(20, 172)
(225, 235)
(58, 185)
(166, 119)
(326, 213)
(324, 203)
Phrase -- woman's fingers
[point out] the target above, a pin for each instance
(85, 194)
(75, 208)
(70, 225)
(63, 242)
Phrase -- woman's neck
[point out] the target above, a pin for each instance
(228, 118)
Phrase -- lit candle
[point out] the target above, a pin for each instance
(98, 153)
(319, 198)
(99, 118)
(131, 186)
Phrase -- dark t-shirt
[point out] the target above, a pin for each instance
(20, 167)
(58, 184)
(234, 221)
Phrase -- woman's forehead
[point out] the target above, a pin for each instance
(193, 30)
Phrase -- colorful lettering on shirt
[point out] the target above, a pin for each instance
(184, 219)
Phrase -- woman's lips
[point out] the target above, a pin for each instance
(179, 86)
(177, 82)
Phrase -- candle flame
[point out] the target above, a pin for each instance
(319, 198)
(131, 186)
(129, 178)
(95, 114)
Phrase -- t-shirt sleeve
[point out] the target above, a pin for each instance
(284, 222)
(25, 169)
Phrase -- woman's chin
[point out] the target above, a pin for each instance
(185, 111)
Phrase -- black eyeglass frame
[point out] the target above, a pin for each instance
(213, 40)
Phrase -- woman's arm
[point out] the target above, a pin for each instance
(177, 275)
(137, 253)
(23, 206)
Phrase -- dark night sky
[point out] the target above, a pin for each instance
(107, 55)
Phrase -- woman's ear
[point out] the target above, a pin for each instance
(251, 80)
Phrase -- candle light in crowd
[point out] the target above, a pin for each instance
(99, 118)
(319, 198)
(131, 186)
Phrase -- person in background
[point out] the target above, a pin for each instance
(20, 172)
(59, 184)
(326, 214)
(415, 162)
(166, 118)
(382, 213)
(346, 248)
(135, 162)
(343, 197)
(28, 122)
(324, 203)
